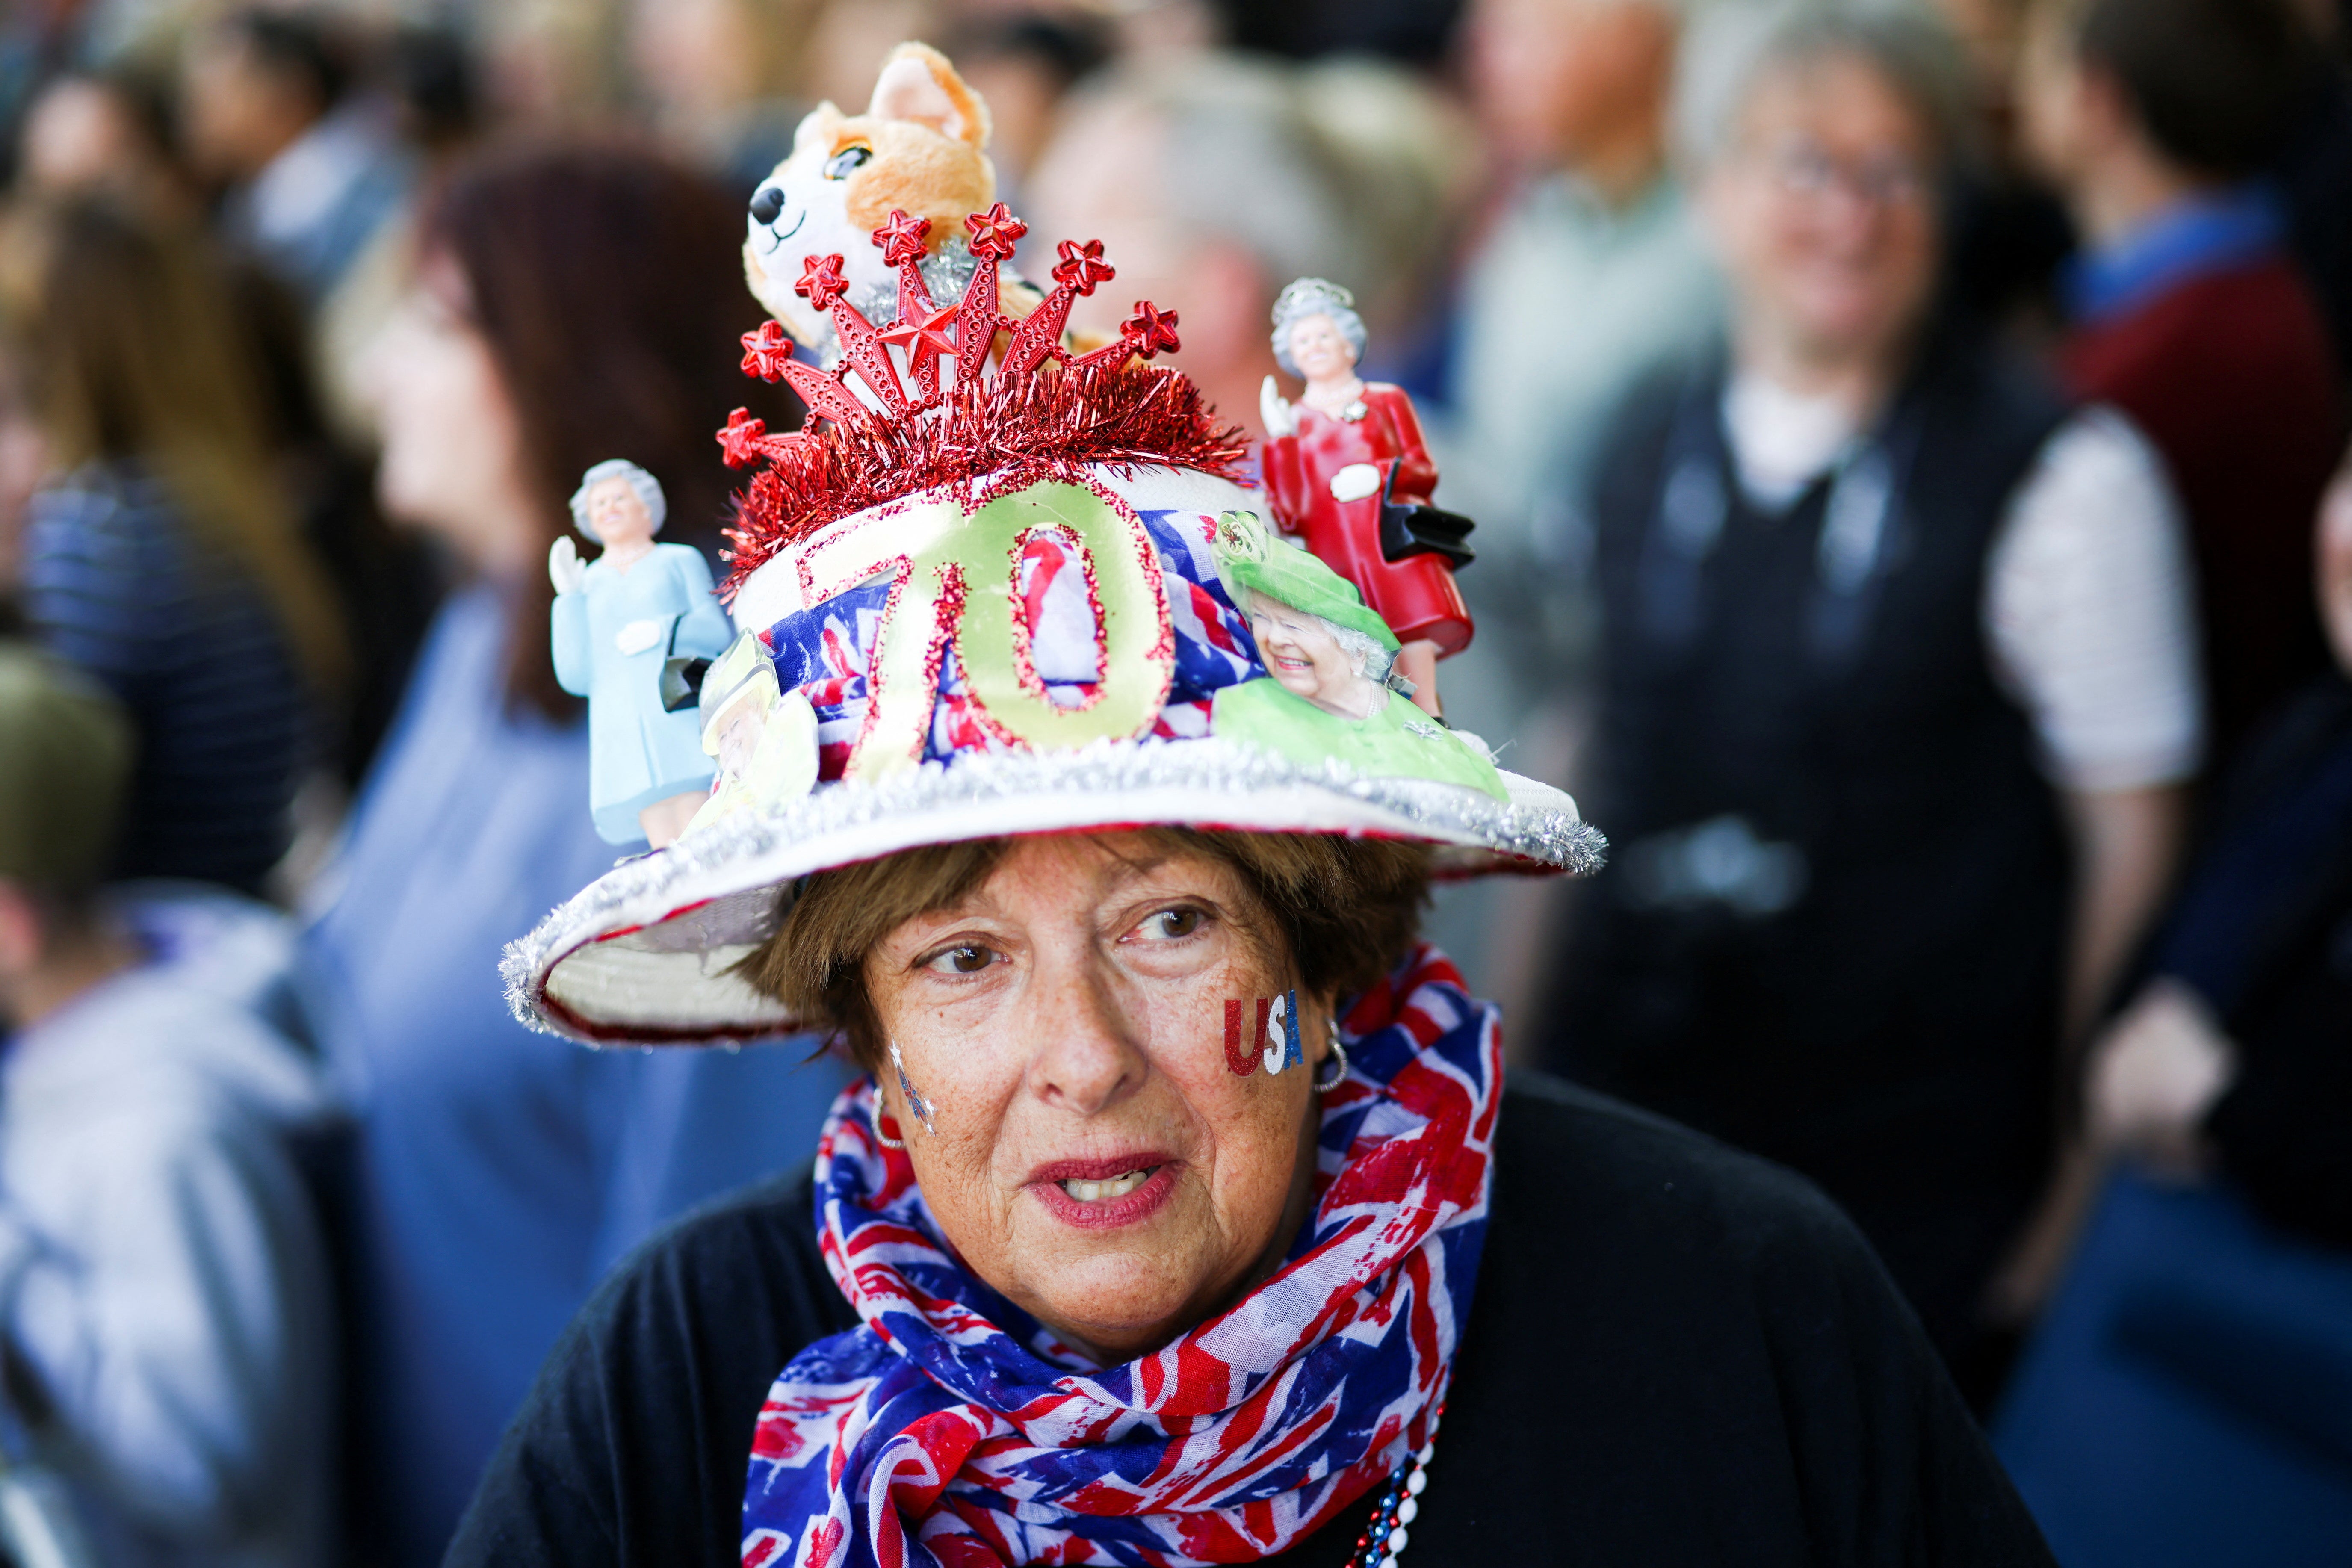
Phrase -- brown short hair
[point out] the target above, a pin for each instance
(2216, 83)
(1346, 909)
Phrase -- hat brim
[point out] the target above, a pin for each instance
(644, 954)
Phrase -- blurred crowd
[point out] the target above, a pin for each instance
(1907, 444)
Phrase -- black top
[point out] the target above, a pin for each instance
(1677, 1354)
(2263, 931)
(1832, 924)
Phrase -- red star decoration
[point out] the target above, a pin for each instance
(901, 239)
(1082, 266)
(1150, 330)
(767, 351)
(924, 341)
(739, 442)
(822, 283)
(995, 232)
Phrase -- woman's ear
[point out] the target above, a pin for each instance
(1322, 1021)
(918, 84)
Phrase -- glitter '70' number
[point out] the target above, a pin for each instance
(957, 575)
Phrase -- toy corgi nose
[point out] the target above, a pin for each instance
(767, 204)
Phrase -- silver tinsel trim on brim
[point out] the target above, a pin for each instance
(642, 955)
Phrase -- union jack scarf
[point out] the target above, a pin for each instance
(952, 1429)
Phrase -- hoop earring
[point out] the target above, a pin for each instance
(1338, 1054)
(879, 1136)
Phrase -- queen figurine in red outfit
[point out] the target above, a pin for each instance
(1347, 475)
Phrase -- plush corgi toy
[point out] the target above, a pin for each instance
(920, 147)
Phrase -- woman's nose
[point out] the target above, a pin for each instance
(1089, 1058)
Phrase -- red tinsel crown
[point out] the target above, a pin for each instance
(1047, 413)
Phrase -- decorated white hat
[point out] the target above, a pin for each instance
(999, 594)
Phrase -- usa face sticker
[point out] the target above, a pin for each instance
(1275, 1044)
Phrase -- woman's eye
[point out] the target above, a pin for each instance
(1172, 924)
(842, 164)
(970, 958)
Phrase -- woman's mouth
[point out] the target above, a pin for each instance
(1117, 1188)
(1098, 1194)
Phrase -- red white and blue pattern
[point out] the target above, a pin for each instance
(825, 651)
(952, 1429)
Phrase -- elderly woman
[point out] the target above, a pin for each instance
(1899, 685)
(1077, 1292)
(1181, 1215)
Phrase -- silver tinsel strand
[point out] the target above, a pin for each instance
(744, 853)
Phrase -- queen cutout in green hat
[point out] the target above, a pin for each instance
(1329, 688)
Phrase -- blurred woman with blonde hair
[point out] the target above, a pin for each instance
(159, 553)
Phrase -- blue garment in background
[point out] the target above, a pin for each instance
(2196, 235)
(499, 1172)
(316, 208)
(2186, 1401)
(2217, 941)
(116, 585)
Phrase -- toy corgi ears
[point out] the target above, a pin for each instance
(918, 83)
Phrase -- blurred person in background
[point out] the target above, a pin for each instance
(2317, 172)
(1024, 64)
(1410, 172)
(2184, 1400)
(552, 63)
(111, 134)
(429, 72)
(24, 462)
(311, 173)
(88, 131)
(849, 35)
(1574, 97)
(426, 83)
(2189, 312)
(570, 304)
(163, 1292)
(161, 553)
(1899, 685)
(1417, 33)
(1209, 179)
(720, 80)
(2009, 232)
(1597, 244)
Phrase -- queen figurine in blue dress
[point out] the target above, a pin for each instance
(617, 619)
